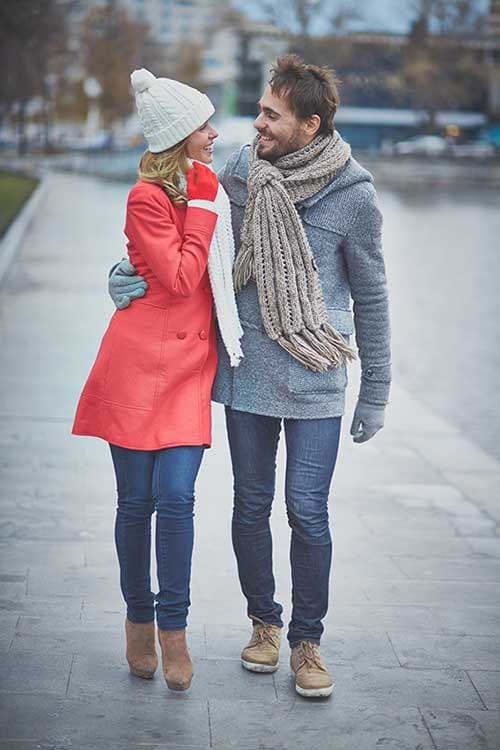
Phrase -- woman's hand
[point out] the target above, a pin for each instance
(202, 185)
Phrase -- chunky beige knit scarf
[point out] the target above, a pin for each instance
(276, 252)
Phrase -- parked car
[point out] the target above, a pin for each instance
(474, 150)
(427, 145)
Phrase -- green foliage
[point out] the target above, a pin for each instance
(15, 189)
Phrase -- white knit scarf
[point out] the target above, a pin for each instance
(220, 271)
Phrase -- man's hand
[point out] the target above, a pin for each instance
(367, 421)
(124, 285)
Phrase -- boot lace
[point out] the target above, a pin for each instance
(309, 656)
(264, 631)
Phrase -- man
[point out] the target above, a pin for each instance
(310, 231)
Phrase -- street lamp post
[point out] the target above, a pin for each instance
(93, 90)
(48, 106)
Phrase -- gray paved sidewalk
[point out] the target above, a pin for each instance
(413, 632)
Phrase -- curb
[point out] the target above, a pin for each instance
(14, 235)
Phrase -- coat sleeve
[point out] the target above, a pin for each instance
(367, 279)
(225, 172)
(178, 261)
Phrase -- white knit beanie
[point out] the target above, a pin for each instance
(168, 110)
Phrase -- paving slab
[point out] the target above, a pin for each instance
(430, 650)
(442, 569)
(363, 685)
(469, 620)
(112, 744)
(69, 724)
(453, 452)
(81, 581)
(467, 730)
(485, 547)
(357, 566)
(383, 618)
(29, 632)
(8, 622)
(432, 593)
(37, 673)
(42, 553)
(12, 590)
(323, 725)
(65, 609)
(476, 527)
(482, 487)
(487, 684)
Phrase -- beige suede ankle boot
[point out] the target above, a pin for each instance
(177, 664)
(141, 650)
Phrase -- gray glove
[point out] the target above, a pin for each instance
(368, 419)
(124, 285)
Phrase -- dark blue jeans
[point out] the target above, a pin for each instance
(164, 481)
(311, 447)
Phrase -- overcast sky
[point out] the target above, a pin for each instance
(384, 15)
(388, 15)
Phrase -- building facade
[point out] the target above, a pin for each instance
(494, 60)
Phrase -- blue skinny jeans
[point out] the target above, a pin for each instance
(161, 480)
(311, 454)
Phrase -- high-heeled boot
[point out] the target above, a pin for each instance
(141, 649)
(177, 664)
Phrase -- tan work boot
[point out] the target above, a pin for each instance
(177, 664)
(312, 679)
(141, 650)
(262, 654)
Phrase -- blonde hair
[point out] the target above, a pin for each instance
(167, 168)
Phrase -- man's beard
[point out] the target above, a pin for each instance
(282, 148)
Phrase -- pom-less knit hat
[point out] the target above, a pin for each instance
(168, 110)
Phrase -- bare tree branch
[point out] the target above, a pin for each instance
(445, 17)
(298, 17)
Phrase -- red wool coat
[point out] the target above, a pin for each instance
(151, 382)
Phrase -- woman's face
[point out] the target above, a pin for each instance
(199, 145)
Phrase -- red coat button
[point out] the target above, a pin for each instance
(181, 334)
(203, 335)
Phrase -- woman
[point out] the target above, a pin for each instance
(148, 394)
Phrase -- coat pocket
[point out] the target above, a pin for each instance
(301, 380)
(185, 354)
(136, 339)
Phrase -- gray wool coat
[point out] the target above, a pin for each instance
(343, 224)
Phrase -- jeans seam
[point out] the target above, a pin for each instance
(123, 470)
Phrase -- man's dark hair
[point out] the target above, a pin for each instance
(308, 89)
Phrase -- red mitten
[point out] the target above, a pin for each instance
(202, 185)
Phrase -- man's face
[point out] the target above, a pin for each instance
(280, 132)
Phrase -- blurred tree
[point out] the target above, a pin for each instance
(439, 70)
(187, 65)
(450, 17)
(112, 47)
(304, 18)
(317, 29)
(32, 44)
(436, 67)
(71, 102)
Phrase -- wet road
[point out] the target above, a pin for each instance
(443, 261)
